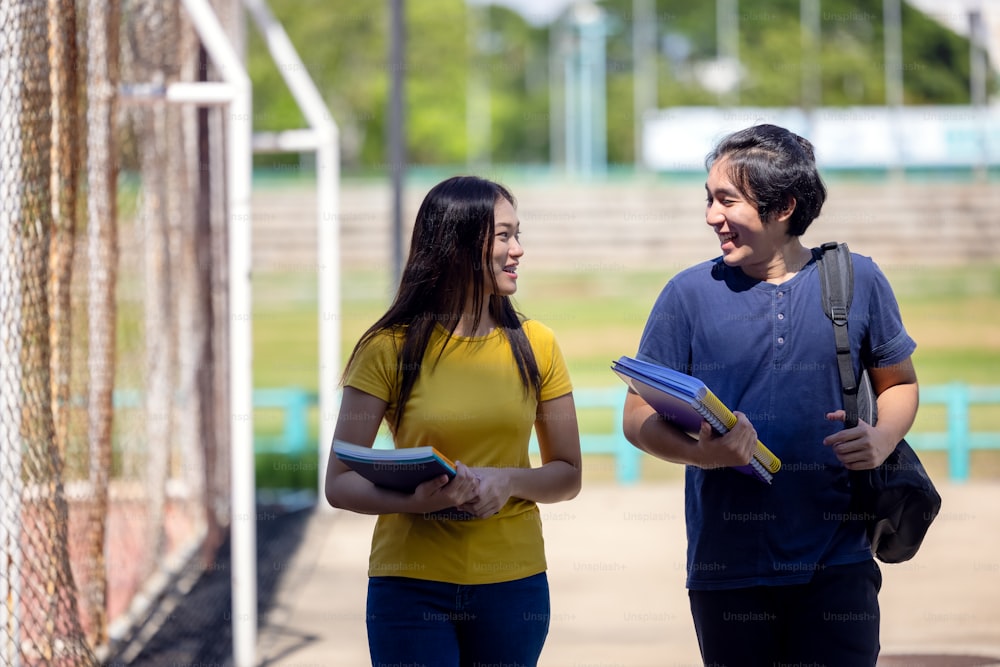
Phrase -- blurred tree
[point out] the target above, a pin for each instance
(343, 45)
(516, 67)
(437, 64)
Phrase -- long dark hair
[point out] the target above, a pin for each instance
(452, 243)
(770, 165)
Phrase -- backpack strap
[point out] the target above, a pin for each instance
(836, 280)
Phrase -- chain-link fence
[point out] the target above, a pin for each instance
(113, 448)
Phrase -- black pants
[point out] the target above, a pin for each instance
(833, 621)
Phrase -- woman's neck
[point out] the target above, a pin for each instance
(469, 328)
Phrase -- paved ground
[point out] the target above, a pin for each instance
(616, 570)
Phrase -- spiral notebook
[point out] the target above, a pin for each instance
(686, 401)
(397, 469)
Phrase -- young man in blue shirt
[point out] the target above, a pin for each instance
(779, 573)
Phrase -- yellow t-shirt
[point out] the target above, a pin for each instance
(471, 405)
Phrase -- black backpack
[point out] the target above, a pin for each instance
(897, 499)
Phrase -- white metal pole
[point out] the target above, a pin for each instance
(557, 94)
(571, 105)
(810, 25)
(585, 58)
(978, 73)
(204, 93)
(328, 274)
(244, 519)
(478, 97)
(597, 36)
(728, 37)
(810, 28)
(893, 45)
(397, 128)
(243, 528)
(644, 81)
(200, 93)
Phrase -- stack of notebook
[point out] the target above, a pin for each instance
(686, 401)
(398, 469)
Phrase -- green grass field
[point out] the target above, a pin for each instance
(953, 313)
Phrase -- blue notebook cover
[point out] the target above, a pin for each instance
(686, 401)
(398, 469)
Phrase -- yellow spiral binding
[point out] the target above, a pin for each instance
(728, 419)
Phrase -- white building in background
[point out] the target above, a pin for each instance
(864, 137)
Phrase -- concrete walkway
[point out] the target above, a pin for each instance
(616, 571)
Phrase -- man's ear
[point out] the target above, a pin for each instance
(786, 212)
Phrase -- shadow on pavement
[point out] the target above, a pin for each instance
(198, 628)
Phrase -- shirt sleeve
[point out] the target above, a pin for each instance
(887, 340)
(373, 370)
(551, 364)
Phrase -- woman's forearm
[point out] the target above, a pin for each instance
(552, 482)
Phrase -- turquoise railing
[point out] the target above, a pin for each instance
(296, 404)
(958, 440)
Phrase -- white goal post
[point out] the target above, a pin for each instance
(235, 93)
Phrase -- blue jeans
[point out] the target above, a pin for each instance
(436, 624)
(832, 620)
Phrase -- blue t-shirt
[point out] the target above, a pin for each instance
(768, 351)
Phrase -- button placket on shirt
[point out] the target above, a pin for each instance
(780, 321)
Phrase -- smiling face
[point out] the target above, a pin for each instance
(507, 250)
(745, 240)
